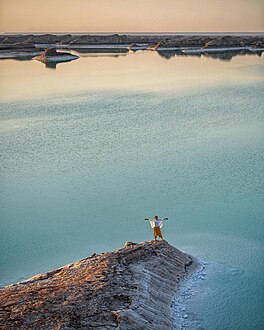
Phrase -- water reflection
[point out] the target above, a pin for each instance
(222, 55)
(53, 64)
(18, 56)
(225, 55)
(140, 71)
(101, 51)
(48, 64)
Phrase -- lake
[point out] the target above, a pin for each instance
(92, 148)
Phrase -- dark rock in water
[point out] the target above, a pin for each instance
(131, 288)
(50, 57)
(52, 53)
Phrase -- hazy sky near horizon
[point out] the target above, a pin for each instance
(131, 15)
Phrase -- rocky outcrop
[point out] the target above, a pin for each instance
(131, 288)
(53, 55)
(167, 41)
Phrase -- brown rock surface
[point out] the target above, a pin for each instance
(131, 288)
(173, 40)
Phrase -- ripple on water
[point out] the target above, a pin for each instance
(209, 285)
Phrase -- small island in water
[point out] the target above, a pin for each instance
(130, 288)
(52, 55)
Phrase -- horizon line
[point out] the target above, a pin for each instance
(129, 32)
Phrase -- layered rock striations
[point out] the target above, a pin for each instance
(131, 288)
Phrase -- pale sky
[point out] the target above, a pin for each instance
(131, 15)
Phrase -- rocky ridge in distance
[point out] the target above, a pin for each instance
(167, 41)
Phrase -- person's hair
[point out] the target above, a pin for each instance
(156, 217)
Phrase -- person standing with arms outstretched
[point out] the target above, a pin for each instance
(156, 224)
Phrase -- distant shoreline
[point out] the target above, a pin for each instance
(132, 42)
(27, 46)
(204, 40)
(260, 33)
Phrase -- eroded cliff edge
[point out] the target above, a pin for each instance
(130, 288)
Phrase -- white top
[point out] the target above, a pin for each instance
(156, 223)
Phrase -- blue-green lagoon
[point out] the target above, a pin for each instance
(90, 149)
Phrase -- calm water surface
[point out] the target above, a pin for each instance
(90, 149)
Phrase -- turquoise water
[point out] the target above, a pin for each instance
(90, 149)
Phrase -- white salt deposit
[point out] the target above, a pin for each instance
(186, 291)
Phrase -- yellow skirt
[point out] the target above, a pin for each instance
(157, 232)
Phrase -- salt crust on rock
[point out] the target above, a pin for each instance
(130, 288)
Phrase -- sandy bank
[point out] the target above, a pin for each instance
(131, 288)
